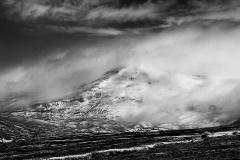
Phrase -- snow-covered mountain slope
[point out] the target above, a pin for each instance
(124, 99)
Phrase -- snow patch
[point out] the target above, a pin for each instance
(5, 140)
(144, 147)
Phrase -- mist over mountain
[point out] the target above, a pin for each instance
(187, 50)
(119, 79)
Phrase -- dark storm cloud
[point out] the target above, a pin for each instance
(78, 10)
(103, 9)
(110, 13)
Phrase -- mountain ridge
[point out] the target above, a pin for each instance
(101, 106)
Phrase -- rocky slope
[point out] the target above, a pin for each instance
(90, 109)
(100, 106)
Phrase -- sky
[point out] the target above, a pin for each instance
(48, 48)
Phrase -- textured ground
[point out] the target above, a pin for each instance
(217, 143)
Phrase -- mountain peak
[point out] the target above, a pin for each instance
(123, 99)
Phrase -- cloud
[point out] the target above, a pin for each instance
(194, 72)
(177, 101)
(35, 9)
(122, 15)
(117, 13)
(27, 9)
(81, 11)
(231, 14)
(194, 75)
(94, 31)
(206, 49)
(56, 75)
